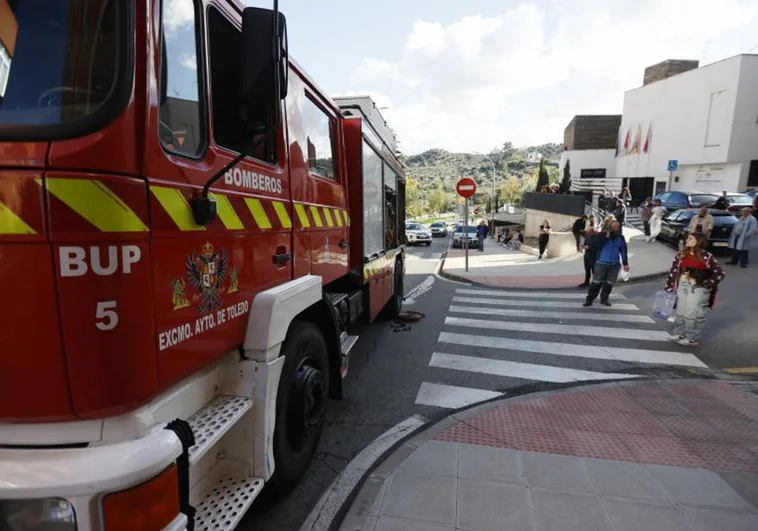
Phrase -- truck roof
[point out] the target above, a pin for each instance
(372, 115)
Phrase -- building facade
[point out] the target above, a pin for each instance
(703, 119)
(590, 149)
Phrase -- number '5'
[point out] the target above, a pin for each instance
(107, 318)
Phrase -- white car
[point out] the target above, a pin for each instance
(415, 234)
(459, 237)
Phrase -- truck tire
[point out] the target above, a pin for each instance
(395, 304)
(300, 404)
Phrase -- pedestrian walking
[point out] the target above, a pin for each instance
(481, 234)
(694, 276)
(591, 224)
(590, 255)
(580, 225)
(544, 237)
(620, 213)
(741, 237)
(610, 247)
(626, 197)
(647, 212)
(659, 211)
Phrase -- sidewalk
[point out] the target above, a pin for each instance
(636, 456)
(503, 268)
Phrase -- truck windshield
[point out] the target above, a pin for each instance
(59, 59)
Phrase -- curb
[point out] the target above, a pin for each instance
(364, 498)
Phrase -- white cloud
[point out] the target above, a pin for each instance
(178, 14)
(522, 74)
(189, 61)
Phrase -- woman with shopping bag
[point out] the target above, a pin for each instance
(694, 277)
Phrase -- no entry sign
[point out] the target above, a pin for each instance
(466, 187)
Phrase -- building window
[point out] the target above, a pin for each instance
(752, 177)
(5, 69)
(593, 174)
(181, 124)
(256, 134)
(318, 129)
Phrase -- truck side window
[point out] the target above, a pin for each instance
(318, 128)
(180, 127)
(230, 130)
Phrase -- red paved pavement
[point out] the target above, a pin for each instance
(696, 424)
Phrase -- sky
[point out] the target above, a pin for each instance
(469, 75)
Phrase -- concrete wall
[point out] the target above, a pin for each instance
(691, 116)
(558, 222)
(668, 68)
(744, 142)
(708, 178)
(589, 131)
(589, 159)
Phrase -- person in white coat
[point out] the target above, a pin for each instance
(741, 237)
(655, 220)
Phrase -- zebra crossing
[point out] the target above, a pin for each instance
(492, 340)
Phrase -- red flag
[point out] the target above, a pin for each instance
(648, 138)
(626, 141)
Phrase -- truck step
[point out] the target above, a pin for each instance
(225, 504)
(348, 342)
(214, 420)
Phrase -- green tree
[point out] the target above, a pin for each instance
(565, 187)
(510, 191)
(436, 200)
(413, 205)
(543, 179)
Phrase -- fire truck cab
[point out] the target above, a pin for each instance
(191, 232)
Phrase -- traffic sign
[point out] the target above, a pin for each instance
(673, 165)
(466, 187)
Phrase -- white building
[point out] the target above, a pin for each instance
(590, 151)
(705, 119)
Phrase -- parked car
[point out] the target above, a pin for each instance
(438, 229)
(752, 193)
(674, 227)
(736, 202)
(459, 237)
(415, 234)
(674, 200)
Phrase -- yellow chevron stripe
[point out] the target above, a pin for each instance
(96, 203)
(176, 206)
(281, 213)
(338, 217)
(316, 217)
(226, 212)
(10, 223)
(259, 215)
(328, 217)
(302, 216)
(347, 218)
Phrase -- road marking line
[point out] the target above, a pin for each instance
(419, 290)
(328, 507)
(632, 355)
(571, 330)
(451, 396)
(541, 304)
(530, 294)
(742, 370)
(526, 371)
(575, 315)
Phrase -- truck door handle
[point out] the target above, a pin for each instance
(282, 256)
(343, 244)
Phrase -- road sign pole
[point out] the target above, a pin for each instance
(465, 230)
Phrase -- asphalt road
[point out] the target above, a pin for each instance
(475, 345)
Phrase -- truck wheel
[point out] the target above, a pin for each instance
(395, 305)
(300, 404)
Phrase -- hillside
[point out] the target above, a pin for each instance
(432, 175)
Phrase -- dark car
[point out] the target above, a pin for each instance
(674, 227)
(676, 200)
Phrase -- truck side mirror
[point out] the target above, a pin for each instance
(266, 61)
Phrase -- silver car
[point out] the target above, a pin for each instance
(459, 237)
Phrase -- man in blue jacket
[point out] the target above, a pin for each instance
(611, 248)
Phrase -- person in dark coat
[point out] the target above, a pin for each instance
(577, 230)
(590, 255)
(611, 256)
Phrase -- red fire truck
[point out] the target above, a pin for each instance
(190, 234)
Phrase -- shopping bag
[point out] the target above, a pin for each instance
(624, 276)
(663, 305)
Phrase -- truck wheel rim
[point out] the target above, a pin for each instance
(307, 411)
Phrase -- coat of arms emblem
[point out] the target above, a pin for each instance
(206, 273)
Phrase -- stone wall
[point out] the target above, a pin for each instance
(598, 131)
(558, 222)
(668, 68)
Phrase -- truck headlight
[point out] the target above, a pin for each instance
(53, 514)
